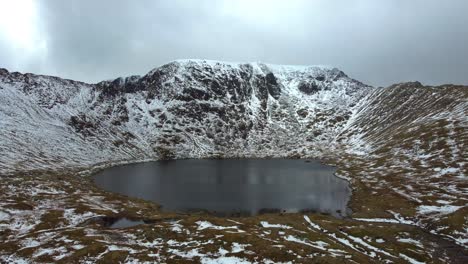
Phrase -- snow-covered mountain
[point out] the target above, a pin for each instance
(190, 108)
(403, 148)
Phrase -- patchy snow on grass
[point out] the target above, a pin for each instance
(30, 243)
(378, 220)
(268, 225)
(4, 216)
(224, 260)
(121, 248)
(22, 221)
(14, 260)
(315, 226)
(77, 247)
(319, 245)
(176, 227)
(188, 254)
(347, 242)
(236, 247)
(442, 210)
(365, 244)
(207, 225)
(443, 202)
(49, 251)
(443, 171)
(411, 241)
(75, 218)
(407, 196)
(410, 260)
(402, 220)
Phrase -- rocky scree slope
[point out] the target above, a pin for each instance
(184, 109)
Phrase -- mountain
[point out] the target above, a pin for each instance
(182, 109)
(403, 148)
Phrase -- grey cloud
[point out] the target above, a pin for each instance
(378, 42)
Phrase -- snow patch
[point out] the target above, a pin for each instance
(441, 210)
(268, 225)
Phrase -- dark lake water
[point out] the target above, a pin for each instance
(232, 186)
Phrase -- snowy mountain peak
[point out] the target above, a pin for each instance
(259, 66)
(187, 108)
(180, 77)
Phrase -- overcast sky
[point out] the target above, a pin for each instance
(378, 42)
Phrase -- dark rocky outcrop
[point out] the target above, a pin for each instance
(308, 87)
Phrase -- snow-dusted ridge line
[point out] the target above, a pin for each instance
(296, 67)
(276, 67)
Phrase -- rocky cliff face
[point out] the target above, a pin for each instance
(182, 109)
